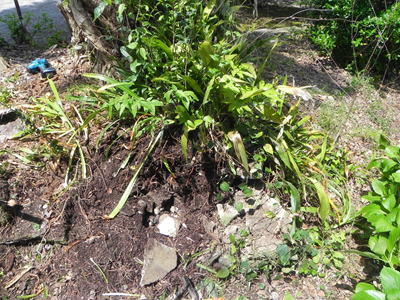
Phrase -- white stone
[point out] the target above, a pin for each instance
(168, 226)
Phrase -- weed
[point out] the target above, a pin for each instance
(51, 112)
(5, 96)
(331, 114)
(12, 79)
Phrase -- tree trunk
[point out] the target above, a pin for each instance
(23, 37)
(79, 15)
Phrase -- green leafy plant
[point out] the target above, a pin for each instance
(312, 251)
(173, 73)
(367, 30)
(43, 25)
(390, 280)
(383, 212)
(51, 112)
(5, 96)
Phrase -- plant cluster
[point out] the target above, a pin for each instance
(363, 35)
(176, 73)
(383, 212)
(42, 28)
(186, 67)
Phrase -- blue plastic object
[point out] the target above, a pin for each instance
(43, 66)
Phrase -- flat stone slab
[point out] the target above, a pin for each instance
(10, 124)
(265, 221)
(159, 260)
(226, 213)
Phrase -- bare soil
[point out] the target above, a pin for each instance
(52, 240)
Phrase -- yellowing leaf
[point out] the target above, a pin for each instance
(238, 145)
(299, 92)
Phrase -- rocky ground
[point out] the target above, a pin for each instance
(58, 244)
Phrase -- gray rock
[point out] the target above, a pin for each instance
(159, 260)
(10, 124)
(3, 64)
(226, 213)
(266, 231)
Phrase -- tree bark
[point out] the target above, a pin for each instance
(79, 16)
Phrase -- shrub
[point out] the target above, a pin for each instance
(362, 35)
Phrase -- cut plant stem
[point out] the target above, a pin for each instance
(99, 268)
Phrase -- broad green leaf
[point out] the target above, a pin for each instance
(193, 84)
(27, 151)
(393, 294)
(378, 244)
(284, 253)
(283, 155)
(375, 163)
(288, 296)
(210, 86)
(390, 280)
(338, 255)
(223, 273)
(388, 164)
(208, 119)
(396, 176)
(121, 9)
(382, 225)
(390, 202)
(208, 9)
(362, 286)
(379, 187)
(393, 239)
(268, 149)
(99, 10)
(369, 295)
(371, 211)
(393, 152)
(143, 53)
(372, 199)
(271, 114)
(383, 142)
(365, 254)
(206, 50)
